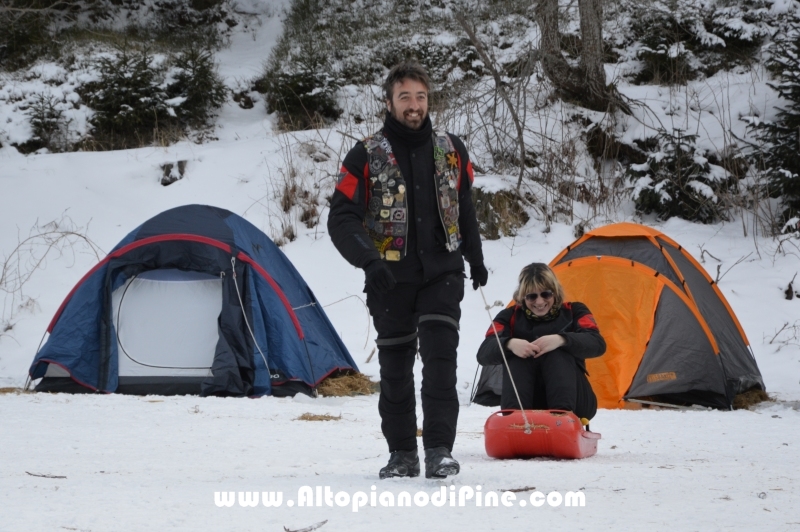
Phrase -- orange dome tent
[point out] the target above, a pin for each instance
(671, 335)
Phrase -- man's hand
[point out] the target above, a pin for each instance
(479, 275)
(547, 343)
(379, 277)
(523, 349)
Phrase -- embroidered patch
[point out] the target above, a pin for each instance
(375, 205)
(376, 165)
(452, 160)
(383, 245)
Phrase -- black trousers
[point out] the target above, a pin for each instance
(428, 312)
(552, 381)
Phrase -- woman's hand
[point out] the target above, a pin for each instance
(523, 349)
(547, 343)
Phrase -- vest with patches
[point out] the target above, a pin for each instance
(386, 219)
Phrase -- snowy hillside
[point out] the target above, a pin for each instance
(92, 463)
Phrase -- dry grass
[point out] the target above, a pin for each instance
(750, 398)
(308, 416)
(8, 391)
(347, 384)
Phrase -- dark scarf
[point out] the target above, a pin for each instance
(412, 138)
(551, 315)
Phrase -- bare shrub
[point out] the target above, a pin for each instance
(54, 240)
(787, 336)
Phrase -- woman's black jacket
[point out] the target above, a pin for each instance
(574, 323)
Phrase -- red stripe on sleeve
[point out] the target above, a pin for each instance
(347, 183)
(470, 172)
(587, 322)
(500, 328)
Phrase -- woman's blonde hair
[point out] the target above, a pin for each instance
(537, 277)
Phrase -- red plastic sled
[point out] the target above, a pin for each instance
(555, 433)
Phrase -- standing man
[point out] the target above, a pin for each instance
(402, 211)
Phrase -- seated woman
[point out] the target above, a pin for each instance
(546, 341)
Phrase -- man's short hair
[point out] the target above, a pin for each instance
(403, 71)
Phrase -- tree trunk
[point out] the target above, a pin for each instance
(587, 83)
(556, 68)
(594, 76)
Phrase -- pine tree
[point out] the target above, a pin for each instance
(779, 156)
(677, 180)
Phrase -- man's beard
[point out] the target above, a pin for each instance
(411, 124)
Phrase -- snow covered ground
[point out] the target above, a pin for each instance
(155, 463)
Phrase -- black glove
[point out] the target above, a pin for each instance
(479, 275)
(379, 276)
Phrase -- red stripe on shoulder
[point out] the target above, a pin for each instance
(513, 319)
(587, 322)
(470, 172)
(347, 183)
(567, 305)
(500, 328)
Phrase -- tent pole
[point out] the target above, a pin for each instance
(246, 322)
(474, 385)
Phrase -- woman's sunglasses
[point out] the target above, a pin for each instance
(532, 297)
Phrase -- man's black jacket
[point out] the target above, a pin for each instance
(426, 255)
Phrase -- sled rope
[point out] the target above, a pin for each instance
(505, 361)
(244, 313)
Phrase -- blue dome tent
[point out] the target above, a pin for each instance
(195, 300)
